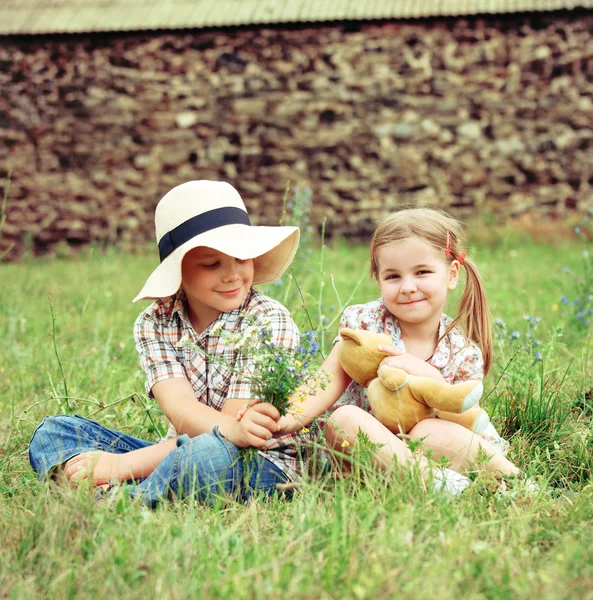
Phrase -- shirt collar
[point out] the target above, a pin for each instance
(442, 353)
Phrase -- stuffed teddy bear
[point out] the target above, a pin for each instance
(400, 400)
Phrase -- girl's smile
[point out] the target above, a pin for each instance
(415, 280)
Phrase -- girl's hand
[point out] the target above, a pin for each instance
(408, 363)
(287, 424)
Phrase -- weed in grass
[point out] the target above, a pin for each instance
(577, 302)
(528, 396)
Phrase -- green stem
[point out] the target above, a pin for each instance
(53, 335)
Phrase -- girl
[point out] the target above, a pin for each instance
(416, 257)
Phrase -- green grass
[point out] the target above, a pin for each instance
(335, 539)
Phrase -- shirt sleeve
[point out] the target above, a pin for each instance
(158, 357)
(285, 334)
(350, 319)
(469, 364)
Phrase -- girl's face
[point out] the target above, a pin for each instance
(213, 283)
(415, 280)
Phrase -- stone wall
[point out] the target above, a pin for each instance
(476, 115)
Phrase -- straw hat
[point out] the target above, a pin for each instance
(211, 213)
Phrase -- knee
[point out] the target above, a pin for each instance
(203, 454)
(347, 419)
(437, 429)
(421, 429)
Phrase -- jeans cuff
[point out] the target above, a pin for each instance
(182, 439)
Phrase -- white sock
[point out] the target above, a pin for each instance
(449, 482)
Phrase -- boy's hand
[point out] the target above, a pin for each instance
(408, 363)
(254, 427)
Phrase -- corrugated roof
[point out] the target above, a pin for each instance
(78, 16)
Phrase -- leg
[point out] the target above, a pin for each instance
(347, 421)
(103, 467)
(58, 439)
(460, 446)
(205, 467)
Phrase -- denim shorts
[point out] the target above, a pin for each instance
(202, 467)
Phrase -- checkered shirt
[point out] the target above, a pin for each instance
(164, 323)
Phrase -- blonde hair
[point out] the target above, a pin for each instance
(445, 235)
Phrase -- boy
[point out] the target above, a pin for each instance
(210, 257)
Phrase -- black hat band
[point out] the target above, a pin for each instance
(212, 219)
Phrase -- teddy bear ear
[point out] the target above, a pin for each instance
(351, 334)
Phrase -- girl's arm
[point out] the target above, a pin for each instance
(316, 403)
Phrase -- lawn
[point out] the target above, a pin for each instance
(66, 330)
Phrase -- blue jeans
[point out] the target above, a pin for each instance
(202, 467)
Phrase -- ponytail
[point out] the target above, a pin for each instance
(474, 313)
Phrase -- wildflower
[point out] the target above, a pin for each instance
(216, 328)
(537, 356)
(278, 282)
(585, 253)
(345, 444)
(554, 308)
(566, 270)
(277, 359)
(184, 342)
(514, 335)
(564, 300)
(298, 363)
(577, 229)
(304, 430)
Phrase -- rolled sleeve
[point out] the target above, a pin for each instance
(158, 357)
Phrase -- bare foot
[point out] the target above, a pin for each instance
(98, 466)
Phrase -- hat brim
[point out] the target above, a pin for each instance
(271, 248)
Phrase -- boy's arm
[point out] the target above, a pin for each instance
(177, 400)
(302, 413)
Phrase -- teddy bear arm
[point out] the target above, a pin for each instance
(397, 410)
(475, 419)
(454, 398)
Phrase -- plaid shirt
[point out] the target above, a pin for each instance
(164, 323)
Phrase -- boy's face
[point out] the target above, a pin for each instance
(213, 283)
